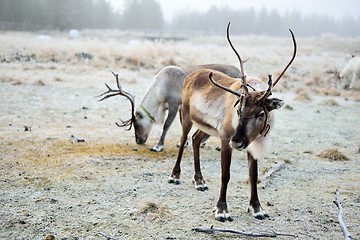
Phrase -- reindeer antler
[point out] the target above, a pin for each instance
(222, 86)
(336, 74)
(267, 92)
(243, 77)
(242, 96)
(271, 85)
(291, 60)
(112, 92)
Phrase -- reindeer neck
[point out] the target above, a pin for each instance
(150, 104)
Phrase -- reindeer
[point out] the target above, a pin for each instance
(240, 113)
(347, 77)
(163, 95)
(350, 73)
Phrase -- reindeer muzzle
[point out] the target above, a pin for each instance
(238, 145)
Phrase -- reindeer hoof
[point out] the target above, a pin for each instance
(201, 187)
(261, 215)
(224, 216)
(174, 180)
(157, 148)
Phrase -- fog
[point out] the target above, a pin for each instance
(271, 18)
(332, 8)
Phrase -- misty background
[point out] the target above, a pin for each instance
(147, 15)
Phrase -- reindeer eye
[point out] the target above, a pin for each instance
(261, 114)
(139, 115)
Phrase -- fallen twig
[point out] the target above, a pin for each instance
(271, 234)
(346, 233)
(105, 236)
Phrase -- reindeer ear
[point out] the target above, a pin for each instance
(273, 103)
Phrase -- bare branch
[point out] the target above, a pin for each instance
(346, 233)
(242, 233)
(105, 236)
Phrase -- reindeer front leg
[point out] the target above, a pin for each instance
(354, 77)
(198, 178)
(255, 206)
(222, 213)
(186, 127)
(169, 120)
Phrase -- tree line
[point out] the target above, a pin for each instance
(264, 21)
(36, 15)
(55, 14)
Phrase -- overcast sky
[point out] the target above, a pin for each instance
(335, 8)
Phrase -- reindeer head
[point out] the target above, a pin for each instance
(254, 117)
(253, 107)
(142, 125)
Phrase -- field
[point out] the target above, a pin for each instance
(68, 172)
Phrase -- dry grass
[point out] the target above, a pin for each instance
(116, 49)
(149, 210)
(333, 154)
(133, 54)
(330, 103)
(327, 91)
(303, 95)
(150, 206)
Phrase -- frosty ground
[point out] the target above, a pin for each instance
(106, 186)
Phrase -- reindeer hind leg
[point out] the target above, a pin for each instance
(197, 139)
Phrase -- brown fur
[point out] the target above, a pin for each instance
(213, 111)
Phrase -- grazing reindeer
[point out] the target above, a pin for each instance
(350, 73)
(211, 107)
(163, 95)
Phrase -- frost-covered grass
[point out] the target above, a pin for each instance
(124, 50)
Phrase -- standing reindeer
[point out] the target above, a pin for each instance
(163, 95)
(239, 112)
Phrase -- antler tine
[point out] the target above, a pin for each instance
(268, 91)
(112, 92)
(243, 77)
(116, 75)
(121, 90)
(115, 92)
(127, 123)
(222, 86)
(291, 60)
